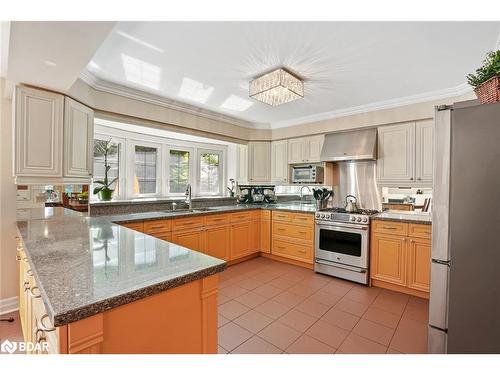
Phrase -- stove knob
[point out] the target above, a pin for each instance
(353, 218)
(322, 216)
(327, 216)
(359, 219)
(365, 220)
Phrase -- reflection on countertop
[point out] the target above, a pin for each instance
(84, 266)
(405, 216)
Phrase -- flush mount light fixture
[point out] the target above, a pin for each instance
(277, 87)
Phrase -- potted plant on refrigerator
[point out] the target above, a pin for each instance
(486, 79)
(103, 188)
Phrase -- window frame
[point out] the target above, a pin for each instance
(192, 156)
(121, 165)
(221, 154)
(131, 143)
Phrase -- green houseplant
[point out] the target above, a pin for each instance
(103, 188)
(486, 79)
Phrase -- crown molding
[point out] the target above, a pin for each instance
(386, 104)
(116, 89)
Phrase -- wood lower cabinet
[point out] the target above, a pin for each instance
(400, 257)
(191, 238)
(388, 258)
(217, 241)
(265, 231)
(241, 242)
(419, 255)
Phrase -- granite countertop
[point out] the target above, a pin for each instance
(84, 265)
(404, 216)
(168, 214)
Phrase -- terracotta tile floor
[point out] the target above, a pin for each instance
(272, 307)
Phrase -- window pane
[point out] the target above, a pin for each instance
(145, 170)
(113, 160)
(209, 173)
(179, 171)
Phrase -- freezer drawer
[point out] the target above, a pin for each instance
(437, 341)
(438, 302)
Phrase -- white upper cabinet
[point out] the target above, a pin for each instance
(242, 163)
(305, 150)
(259, 162)
(279, 161)
(405, 154)
(313, 148)
(53, 138)
(38, 133)
(424, 148)
(78, 139)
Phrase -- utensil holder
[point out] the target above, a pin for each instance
(321, 204)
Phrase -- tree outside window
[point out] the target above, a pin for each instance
(179, 171)
(145, 170)
(210, 174)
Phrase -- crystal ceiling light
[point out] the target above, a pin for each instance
(277, 87)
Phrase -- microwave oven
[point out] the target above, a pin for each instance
(307, 174)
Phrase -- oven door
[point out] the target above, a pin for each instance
(342, 243)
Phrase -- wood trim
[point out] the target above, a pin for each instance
(85, 336)
(242, 259)
(287, 260)
(209, 288)
(398, 288)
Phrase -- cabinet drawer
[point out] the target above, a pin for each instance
(138, 226)
(157, 226)
(420, 230)
(282, 216)
(216, 219)
(265, 214)
(291, 250)
(241, 216)
(390, 227)
(294, 231)
(187, 223)
(305, 219)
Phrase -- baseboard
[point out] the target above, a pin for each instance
(8, 305)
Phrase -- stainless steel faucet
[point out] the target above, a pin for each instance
(187, 193)
(302, 191)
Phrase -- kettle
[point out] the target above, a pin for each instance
(350, 205)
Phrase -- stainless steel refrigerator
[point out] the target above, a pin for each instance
(464, 309)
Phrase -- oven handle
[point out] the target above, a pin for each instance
(338, 265)
(327, 225)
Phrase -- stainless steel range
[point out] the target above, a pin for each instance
(342, 243)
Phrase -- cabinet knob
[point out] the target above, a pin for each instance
(411, 178)
(419, 179)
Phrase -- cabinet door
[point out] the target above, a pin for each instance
(419, 264)
(424, 148)
(265, 236)
(314, 145)
(242, 174)
(259, 166)
(38, 133)
(255, 236)
(388, 258)
(192, 239)
(240, 240)
(296, 151)
(396, 153)
(279, 161)
(78, 139)
(216, 241)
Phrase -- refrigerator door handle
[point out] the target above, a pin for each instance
(438, 302)
(442, 262)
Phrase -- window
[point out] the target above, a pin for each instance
(178, 171)
(112, 159)
(210, 172)
(145, 170)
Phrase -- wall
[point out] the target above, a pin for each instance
(8, 264)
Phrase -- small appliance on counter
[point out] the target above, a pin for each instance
(256, 194)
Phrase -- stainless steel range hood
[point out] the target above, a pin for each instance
(350, 145)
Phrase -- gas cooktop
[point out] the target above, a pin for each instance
(339, 214)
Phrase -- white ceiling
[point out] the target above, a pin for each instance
(345, 64)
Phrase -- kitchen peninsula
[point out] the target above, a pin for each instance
(91, 286)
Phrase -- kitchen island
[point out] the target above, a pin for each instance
(88, 285)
